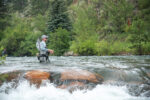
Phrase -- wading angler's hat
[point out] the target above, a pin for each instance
(44, 36)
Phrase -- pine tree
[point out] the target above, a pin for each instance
(59, 27)
(3, 11)
(58, 17)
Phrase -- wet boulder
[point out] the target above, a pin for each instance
(81, 79)
(146, 94)
(9, 76)
(81, 75)
(139, 90)
(36, 77)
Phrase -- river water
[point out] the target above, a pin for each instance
(125, 78)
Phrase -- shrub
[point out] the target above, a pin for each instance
(59, 41)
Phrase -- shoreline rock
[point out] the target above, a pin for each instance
(70, 53)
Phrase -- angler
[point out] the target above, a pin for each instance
(43, 51)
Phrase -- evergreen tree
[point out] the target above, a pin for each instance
(58, 17)
(3, 22)
(144, 11)
(59, 27)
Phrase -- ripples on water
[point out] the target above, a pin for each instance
(120, 73)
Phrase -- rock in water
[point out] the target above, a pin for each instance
(9, 76)
(81, 75)
(79, 79)
(36, 77)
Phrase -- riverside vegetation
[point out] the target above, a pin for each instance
(86, 27)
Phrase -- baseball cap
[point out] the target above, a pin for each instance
(44, 36)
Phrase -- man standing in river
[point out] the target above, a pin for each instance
(43, 48)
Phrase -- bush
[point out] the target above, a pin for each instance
(113, 48)
(146, 48)
(14, 35)
(139, 35)
(28, 47)
(59, 41)
(85, 48)
(2, 57)
(103, 48)
(85, 31)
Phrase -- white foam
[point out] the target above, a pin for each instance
(102, 92)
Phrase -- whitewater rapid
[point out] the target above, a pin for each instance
(126, 69)
(49, 92)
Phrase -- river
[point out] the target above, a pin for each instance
(125, 78)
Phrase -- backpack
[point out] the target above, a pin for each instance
(38, 44)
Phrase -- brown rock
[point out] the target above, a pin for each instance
(79, 75)
(148, 74)
(9, 76)
(36, 77)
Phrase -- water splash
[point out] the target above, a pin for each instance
(49, 92)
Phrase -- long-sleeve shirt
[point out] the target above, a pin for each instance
(43, 48)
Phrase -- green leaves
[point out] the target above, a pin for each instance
(139, 35)
(115, 15)
(59, 41)
(19, 38)
(84, 28)
(2, 57)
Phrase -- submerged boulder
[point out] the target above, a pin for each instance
(68, 79)
(79, 79)
(81, 75)
(36, 77)
(9, 76)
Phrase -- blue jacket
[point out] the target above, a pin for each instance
(43, 48)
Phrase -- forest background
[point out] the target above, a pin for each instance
(86, 27)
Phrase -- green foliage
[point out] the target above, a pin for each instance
(85, 48)
(59, 27)
(84, 28)
(2, 57)
(27, 47)
(23, 21)
(114, 15)
(58, 16)
(103, 48)
(3, 17)
(140, 35)
(113, 48)
(146, 48)
(59, 41)
(14, 34)
(35, 7)
(3, 77)
(38, 23)
(20, 37)
(18, 5)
